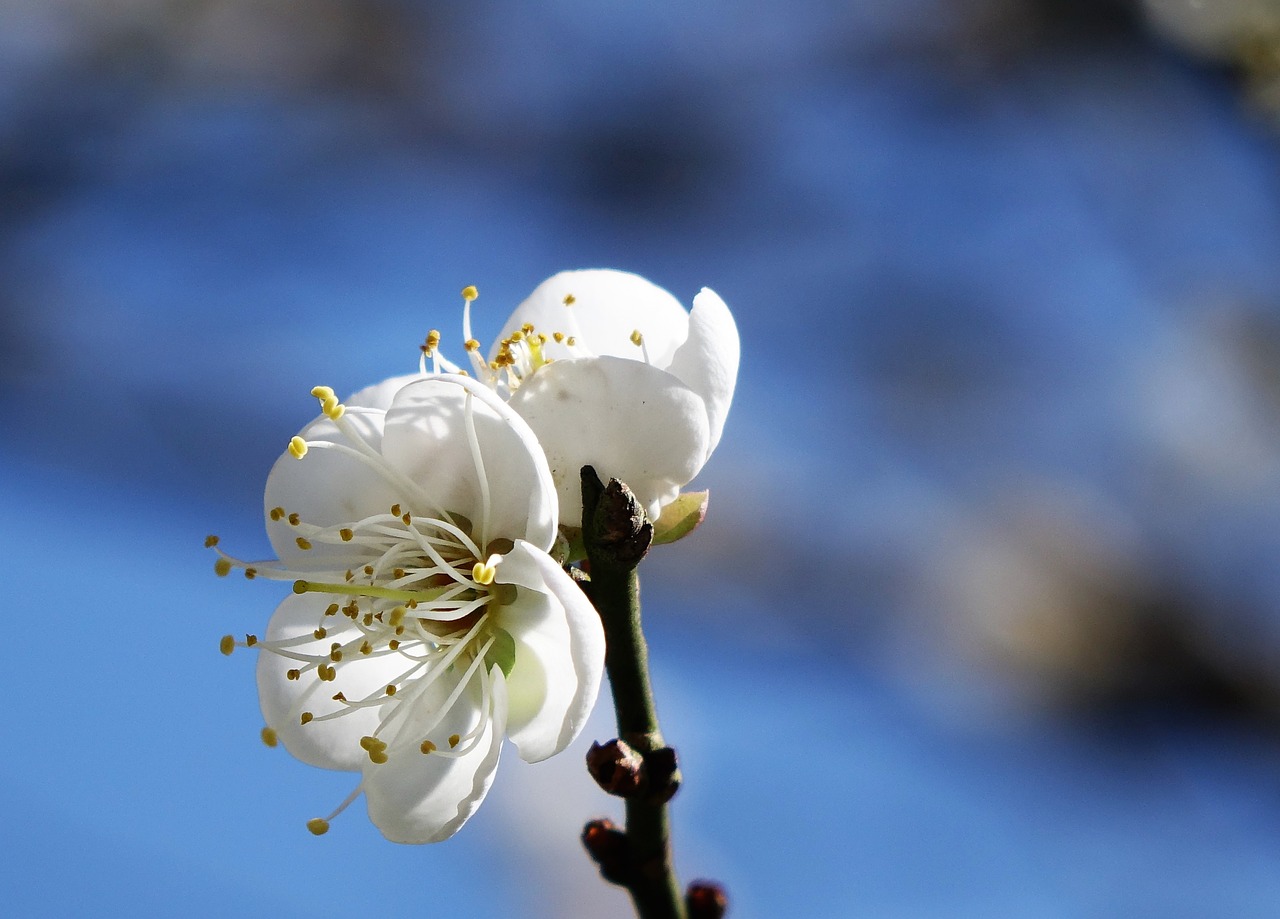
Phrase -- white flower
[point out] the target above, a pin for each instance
(610, 371)
(428, 620)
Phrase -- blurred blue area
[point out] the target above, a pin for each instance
(985, 617)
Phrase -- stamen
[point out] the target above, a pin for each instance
(222, 567)
(227, 645)
(297, 447)
(269, 737)
(210, 541)
(318, 826)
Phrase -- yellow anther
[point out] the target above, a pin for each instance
(527, 328)
(347, 534)
(395, 510)
(396, 617)
(305, 718)
(292, 674)
(210, 541)
(366, 648)
(331, 609)
(483, 573)
(391, 690)
(368, 619)
(303, 543)
(397, 573)
(392, 645)
(369, 742)
(326, 673)
(339, 697)
(406, 518)
(377, 757)
(368, 571)
(636, 338)
(570, 299)
(517, 335)
(542, 339)
(335, 654)
(294, 520)
(250, 573)
(558, 336)
(322, 392)
(469, 293)
(269, 737)
(571, 341)
(471, 344)
(227, 644)
(222, 567)
(333, 409)
(297, 447)
(318, 826)
(320, 633)
(276, 513)
(250, 640)
(427, 746)
(453, 740)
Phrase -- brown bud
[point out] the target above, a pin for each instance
(706, 900)
(615, 528)
(662, 775)
(617, 768)
(608, 847)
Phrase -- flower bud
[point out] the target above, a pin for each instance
(706, 900)
(617, 768)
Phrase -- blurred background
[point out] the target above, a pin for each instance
(985, 618)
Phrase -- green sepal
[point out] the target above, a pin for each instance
(502, 652)
(681, 517)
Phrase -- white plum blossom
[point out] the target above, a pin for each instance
(428, 620)
(609, 370)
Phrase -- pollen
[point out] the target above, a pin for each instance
(305, 718)
(470, 293)
(347, 534)
(292, 674)
(331, 609)
(432, 342)
(269, 737)
(427, 747)
(297, 447)
(558, 336)
(250, 640)
(326, 673)
(303, 543)
(391, 690)
(276, 513)
(454, 740)
(222, 567)
(636, 338)
(319, 633)
(227, 644)
(471, 344)
(210, 541)
(571, 341)
(294, 520)
(318, 826)
(570, 299)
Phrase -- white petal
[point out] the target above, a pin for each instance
(421, 798)
(608, 306)
(379, 395)
(330, 744)
(426, 438)
(630, 421)
(559, 654)
(325, 487)
(708, 360)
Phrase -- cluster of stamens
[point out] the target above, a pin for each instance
(414, 586)
(519, 355)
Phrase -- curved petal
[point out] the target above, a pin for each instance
(630, 421)
(708, 360)
(379, 395)
(416, 798)
(608, 305)
(329, 744)
(326, 487)
(426, 438)
(559, 653)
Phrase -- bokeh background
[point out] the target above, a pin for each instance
(985, 619)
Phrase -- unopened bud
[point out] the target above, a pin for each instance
(662, 775)
(608, 847)
(617, 768)
(616, 530)
(706, 900)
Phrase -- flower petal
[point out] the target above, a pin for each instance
(608, 305)
(708, 360)
(379, 395)
(329, 744)
(326, 487)
(420, 798)
(559, 653)
(630, 421)
(426, 439)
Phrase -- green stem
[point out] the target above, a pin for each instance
(651, 880)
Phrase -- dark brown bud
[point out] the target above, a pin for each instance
(615, 528)
(662, 775)
(617, 768)
(706, 900)
(608, 847)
